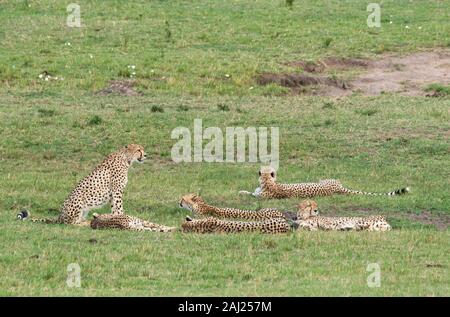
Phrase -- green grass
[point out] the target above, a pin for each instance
(439, 90)
(199, 61)
(403, 143)
(207, 41)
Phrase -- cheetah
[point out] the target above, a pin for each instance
(199, 207)
(105, 184)
(215, 225)
(309, 219)
(125, 222)
(270, 189)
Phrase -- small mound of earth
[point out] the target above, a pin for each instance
(407, 75)
(120, 87)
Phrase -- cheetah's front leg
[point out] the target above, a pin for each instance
(116, 202)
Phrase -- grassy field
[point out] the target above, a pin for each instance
(54, 132)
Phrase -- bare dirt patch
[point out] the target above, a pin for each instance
(120, 87)
(407, 75)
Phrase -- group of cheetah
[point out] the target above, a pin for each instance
(106, 184)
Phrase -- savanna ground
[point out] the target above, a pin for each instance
(202, 60)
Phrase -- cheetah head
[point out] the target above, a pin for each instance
(134, 153)
(190, 201)
(267, 173)
(307, 209)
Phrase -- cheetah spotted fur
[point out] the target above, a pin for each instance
(126, 222)
(199, 207)
(270, 189)
(215, 225)
(309, 219)
(105, 184)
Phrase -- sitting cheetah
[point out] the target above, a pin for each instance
(198, 206)
(309, 219)
(125, 222)
(269, 188)
(105, 184)
(214, 225)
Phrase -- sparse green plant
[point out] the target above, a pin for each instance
(328, 105)
(156, 108)
(167, 32)
(95, 120)
(183, 108)
(327, 42)
(223, 107)
(46, 112)
(438, 90)
(367, 112)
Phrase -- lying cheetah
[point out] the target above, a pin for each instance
(215, 225)
(198, 206)
(269, 188)
(309, 219)
(105, 184)
(125, 222)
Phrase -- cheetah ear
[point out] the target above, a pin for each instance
(188, 218)
(126, 146)
(259, 173)
(272, 174)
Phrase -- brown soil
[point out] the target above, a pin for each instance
(407, 75)
(120, 87)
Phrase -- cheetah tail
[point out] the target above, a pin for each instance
(397, 192)
(25, 214)
(293, 224)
